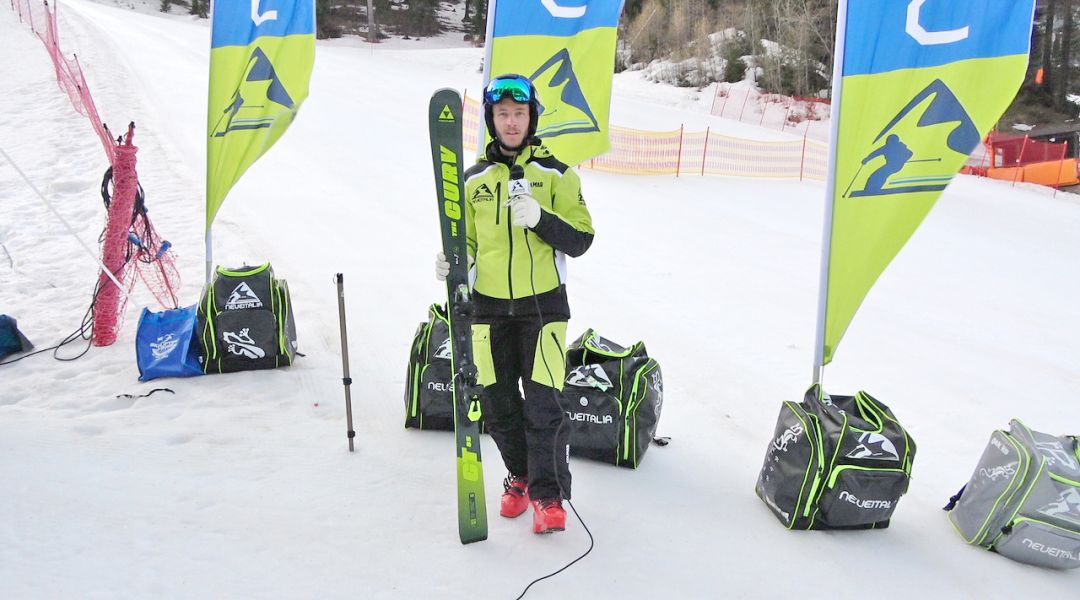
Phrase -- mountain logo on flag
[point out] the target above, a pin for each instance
(566, 109)
(251, 104)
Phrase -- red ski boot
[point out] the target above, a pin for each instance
(515, 498)
(548, 516)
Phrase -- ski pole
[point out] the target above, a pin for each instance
(345, 379)
(857, 173)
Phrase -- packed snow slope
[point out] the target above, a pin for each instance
(241, 486)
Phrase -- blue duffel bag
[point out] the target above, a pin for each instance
(164, 344)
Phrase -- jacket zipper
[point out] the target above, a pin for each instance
(510, 260)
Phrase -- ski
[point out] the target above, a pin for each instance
(444, 125)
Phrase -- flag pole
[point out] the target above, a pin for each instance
(209, 254)
(489, 42)
(209, 223)
(830, 187)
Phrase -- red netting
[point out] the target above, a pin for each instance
(69, 75)
(109, 302)
(1010, 150)
(131, 247)
(802, 116)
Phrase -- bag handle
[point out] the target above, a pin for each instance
(869, 410)
(593, 344)
(954, 499)
(438, 311)
(243, 273)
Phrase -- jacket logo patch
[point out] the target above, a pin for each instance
(483, 194)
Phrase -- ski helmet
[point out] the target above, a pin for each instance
(519, 89)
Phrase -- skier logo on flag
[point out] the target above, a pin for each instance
(260, 86)
(917, 83)
(933, 114)
(571, 112)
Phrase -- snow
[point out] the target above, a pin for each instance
(241, 486)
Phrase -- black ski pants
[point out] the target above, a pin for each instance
(529, 430)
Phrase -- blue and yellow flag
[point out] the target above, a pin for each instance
(567, 49)
(261, 54)
(919, 83)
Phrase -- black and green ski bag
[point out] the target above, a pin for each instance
(1023, 500)
(836, 462)
(245, 321)
(612, 397)
(429, 391)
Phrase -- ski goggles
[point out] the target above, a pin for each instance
(513, 86)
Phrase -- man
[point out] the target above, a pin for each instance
(519, 238)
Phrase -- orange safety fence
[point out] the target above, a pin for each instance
(681, 152)
(1053, 173)
(1020, 159)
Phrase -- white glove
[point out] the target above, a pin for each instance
(442, 267)
(525, 211)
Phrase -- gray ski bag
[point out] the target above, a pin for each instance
(612, 399)
(1023, 500)
(836, 462)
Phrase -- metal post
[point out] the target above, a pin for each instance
(1061, 165)
(802, 161)
(1019, 159)
(678, 161)
(370, 30)
(705, 152)
(345, 379)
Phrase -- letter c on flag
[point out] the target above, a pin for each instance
(559, 12)
(930, 38)
(270, 15)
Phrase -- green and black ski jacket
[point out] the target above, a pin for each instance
(514, 264)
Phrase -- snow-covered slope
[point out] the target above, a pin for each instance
(241, 486)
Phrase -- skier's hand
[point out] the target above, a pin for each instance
(525, 211)
(442, 267)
